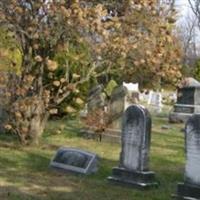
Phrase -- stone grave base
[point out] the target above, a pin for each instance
(140, 180)
(175, 117)
(187, 192)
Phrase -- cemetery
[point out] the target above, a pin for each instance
(59, 167)
(99, 100)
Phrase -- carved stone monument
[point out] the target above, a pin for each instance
(188, 101)
(190, 189)
(134, 158)
(75, 160)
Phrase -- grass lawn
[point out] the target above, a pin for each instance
(24, 172)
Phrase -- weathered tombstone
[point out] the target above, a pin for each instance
(134, 158)
(116, 107)
(75, 160)
(158, 102)
(190, 189)
(121, 98)
(95, 99)
(188, 101)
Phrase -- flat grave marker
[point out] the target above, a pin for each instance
(75, 160)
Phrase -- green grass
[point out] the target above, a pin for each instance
(24, 172)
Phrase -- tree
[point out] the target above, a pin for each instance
(144, 49)
(195, 6)
(187, 33)
(9, 54)
(197, 70)
(130, 38)
(43, 28)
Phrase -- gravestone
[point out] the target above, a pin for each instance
(95, 98)
(131, 86)
(75, 160)
(188, 101)
(155, 100)
(190, 189)
(134, 158)
(116, 107)
(121, 98)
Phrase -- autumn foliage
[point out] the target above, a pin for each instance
(130, 38)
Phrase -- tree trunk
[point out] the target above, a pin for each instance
(37, 125)
(29, 119)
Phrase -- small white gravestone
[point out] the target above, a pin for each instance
(132, 96)
(155, 100)
(131, 86)
(150, 97)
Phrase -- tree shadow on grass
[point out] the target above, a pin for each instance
(32, 164)
(31, 179)
(14, 193)
(25, 175)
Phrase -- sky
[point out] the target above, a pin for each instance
(185, 13)
(183, 8)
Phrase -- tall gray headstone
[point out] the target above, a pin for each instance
(190, 189)
(134, 158)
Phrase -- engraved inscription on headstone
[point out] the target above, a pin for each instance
(134, 157)
(190, 189)
(135, 139)
(75, 160)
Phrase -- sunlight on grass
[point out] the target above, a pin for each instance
(25, 173)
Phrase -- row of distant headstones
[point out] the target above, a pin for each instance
(134, 158)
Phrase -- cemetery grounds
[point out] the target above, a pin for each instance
(25, 173)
